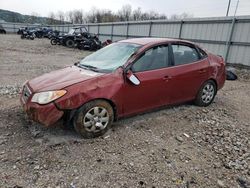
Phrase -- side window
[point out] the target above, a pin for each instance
(154, 58)
(184, 54)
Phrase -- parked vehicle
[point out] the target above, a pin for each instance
(21, 29)
(123, 79)
(86, 41)
(39, 32)
(27, 34)
(69, 38)
(52, 34)
(81, 38)
(43, 32)
(56, 40)
(106, 43)
(2, 30)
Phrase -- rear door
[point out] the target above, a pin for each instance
(188, 72)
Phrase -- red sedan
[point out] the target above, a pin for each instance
(125, 78)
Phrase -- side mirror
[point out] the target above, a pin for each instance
(132, 78)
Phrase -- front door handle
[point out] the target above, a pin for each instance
(202, 71)
(167, 78)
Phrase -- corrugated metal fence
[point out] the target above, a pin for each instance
(226, 36)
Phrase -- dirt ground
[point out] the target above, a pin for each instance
(183, 146)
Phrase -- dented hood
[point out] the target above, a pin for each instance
(61, 78)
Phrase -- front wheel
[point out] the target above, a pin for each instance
(206, 94)
(94, 119)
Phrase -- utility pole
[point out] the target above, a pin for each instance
(236, 7)
(229, 2)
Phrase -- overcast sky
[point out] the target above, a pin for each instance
(198, 8)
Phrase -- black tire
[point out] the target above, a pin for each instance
(90, 123)
(53, 42)
(70, 43)
(206, 93)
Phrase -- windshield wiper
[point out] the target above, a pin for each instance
(89, 67)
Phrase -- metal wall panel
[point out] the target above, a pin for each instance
(93, 29)
(105, 29)
(165, 30)
(139, 29)
(239, 55)
(12, 28)
(241, 32)
(118, 38)
(120, 29)
(218, 49)
(206, 31)
(104, 38)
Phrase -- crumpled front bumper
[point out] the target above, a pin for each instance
(47, 114)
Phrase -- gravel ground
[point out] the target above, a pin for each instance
(183, 146)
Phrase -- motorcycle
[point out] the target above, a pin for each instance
(52, 34)
(56, 40)
(26, 34)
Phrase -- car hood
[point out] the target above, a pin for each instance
(61, 78)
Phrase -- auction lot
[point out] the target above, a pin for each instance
(180, 146)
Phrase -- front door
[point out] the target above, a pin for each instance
(151, 69)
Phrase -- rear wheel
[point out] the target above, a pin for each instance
(70, 43)
(206, 94)
(53, 42)
(94, 119)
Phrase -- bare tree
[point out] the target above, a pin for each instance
(33, 17)
(78, 16)
(60, 16)
(91, 15)
(51, 18)
(125, 12)
(181, 16)
(137, 14)
(69, 16)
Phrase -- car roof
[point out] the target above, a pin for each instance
(152, 40)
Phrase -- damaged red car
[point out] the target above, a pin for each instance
(123, 79)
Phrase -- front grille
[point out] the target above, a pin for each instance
(26, 93)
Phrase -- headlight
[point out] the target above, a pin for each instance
(47, 96)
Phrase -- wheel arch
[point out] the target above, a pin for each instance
(215, 82)
(69, 114)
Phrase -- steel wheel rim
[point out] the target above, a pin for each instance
(96, 119)
(208, 93)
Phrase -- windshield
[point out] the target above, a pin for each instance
(110, 57)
